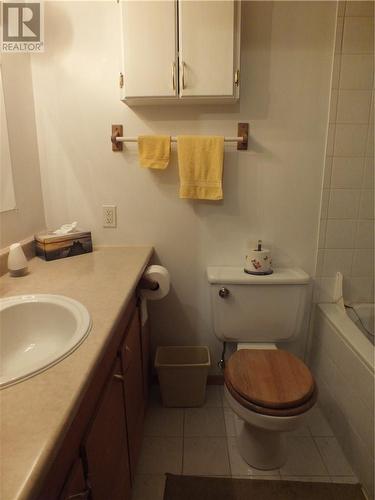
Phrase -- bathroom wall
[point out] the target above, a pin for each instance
(346, 241)
(28, 217)
(272, 191)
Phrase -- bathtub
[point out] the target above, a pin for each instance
(363, 317)
(342, 360)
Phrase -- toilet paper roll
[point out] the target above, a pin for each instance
(258, 262)
(161, 275)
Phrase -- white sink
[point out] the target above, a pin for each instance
(38, 331)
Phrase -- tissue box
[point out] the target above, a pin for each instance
(51, 246)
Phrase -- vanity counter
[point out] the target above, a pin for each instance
(36, 412)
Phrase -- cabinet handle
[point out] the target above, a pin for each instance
(174, 76)
(118, 376)
(237, 78)
(83, 494)
(183, 75)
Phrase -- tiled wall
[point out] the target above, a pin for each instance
(346, 240)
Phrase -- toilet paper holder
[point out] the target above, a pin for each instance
(148, 284)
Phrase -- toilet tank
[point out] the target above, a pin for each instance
(249, 308)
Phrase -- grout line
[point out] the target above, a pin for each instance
(183, 441)
(321, 456)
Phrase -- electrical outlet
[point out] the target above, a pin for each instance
(109, 216)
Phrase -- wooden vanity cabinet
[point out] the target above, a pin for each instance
(98, 455)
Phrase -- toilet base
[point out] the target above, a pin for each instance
(260, 448)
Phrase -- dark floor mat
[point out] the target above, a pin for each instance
(222, 488)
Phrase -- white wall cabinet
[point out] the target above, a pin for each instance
(180, 51)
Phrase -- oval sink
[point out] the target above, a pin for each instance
(38, 331)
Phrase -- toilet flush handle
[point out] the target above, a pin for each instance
(224, 292)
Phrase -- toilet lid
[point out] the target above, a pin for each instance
(269, 378)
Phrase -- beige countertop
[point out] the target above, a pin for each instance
(35, 412)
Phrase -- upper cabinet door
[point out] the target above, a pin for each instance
(150, 49)
(208, 38)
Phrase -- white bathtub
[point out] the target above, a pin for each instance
(363, 317)
(342, 360)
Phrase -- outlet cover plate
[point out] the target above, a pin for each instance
(109, 216)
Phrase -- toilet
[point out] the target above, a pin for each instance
(270, 390)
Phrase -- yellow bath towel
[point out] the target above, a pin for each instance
(154, 151)
(200, 163)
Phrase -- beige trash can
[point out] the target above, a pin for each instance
(182, 373)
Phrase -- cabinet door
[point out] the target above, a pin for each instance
(149, 48)
(133, 383)
(106, 446)
(75, 485)
(207, 36)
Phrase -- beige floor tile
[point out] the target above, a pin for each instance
(304, 431)
(206, 456)
(318, 424)
(333, 457)
(224, 399)
(164, 422)
(213, 396)
(303, 458)
(239, 467)
(204, 422)
(160, 455)
(148, 487)
(307, 479)
(230, 425)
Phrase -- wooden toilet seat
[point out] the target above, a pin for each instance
(271, 382)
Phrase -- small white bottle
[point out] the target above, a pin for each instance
(17, 262)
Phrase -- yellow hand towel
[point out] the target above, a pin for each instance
(200, 163)
(154, 150)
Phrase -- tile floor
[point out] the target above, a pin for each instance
(201, 441)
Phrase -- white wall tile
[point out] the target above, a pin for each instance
(336, 71)
(340, 233)
(327, 172)
(341, 8)
(366, 208)
(353, 106)
(337, 260)
(370, 140)
(359, 8)
(343, 203)
(357, 71)
(358, 37)
(319, 262)
(362, 289)
(368, 177)
(365, 234)
(325, 202)
(322, 233)
(333, 105)
(350, 140)
(330, 139)
(339, 33)
(363, 263)
(347, 172)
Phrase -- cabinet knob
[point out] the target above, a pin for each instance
(118, 376)
(183, 83)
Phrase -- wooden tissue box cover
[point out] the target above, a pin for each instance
(50, 246)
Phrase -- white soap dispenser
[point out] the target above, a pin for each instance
(17, 262)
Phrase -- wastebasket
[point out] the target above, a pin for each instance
(182, 372)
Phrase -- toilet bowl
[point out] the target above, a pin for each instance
(271, 391)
